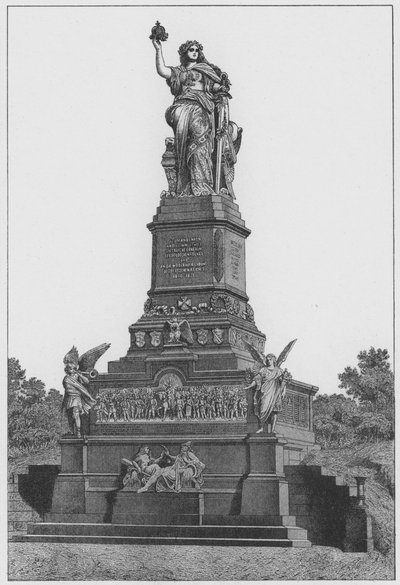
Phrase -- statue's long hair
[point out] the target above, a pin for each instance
(183, 49)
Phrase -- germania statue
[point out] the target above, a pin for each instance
(205, 140)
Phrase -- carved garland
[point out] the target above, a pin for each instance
(226, 300)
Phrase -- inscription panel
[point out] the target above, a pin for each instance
(295, 410)
(234, 261)
(183, 257)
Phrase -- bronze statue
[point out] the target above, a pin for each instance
(269, 386)
(77, 400)
(206, 142)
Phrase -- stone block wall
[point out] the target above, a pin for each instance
(328, 509)
(19, 511)
(30, 496)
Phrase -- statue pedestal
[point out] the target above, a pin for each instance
(265, 490)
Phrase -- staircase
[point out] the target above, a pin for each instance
(206, 534)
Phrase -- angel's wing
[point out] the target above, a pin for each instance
(255, 354)
(285, 352)
(186, 332)
(88, 360)
(72, 356)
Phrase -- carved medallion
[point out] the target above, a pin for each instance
(139, 338)
(202, 336)
(155, 338)
(218, 336)
(218, 254)
(170, 380)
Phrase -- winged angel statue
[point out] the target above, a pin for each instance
(269, 385)
(78, 370)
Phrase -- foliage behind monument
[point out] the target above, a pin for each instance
(369, 414)
(34, 416)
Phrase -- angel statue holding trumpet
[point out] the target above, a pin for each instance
(77, 400)
(269, 385)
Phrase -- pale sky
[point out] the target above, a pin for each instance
(311, 88)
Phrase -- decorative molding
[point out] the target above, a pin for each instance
(218, 254)
(237, 337)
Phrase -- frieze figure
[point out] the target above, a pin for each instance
(269, 386)
(205, 140)
(77, 400)
(166, 473)
(142, 468)
(185, 471)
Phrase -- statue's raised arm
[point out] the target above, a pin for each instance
(205, 141)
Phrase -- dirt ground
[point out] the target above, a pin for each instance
(86, 562)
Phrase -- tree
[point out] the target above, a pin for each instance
(16, 376)
(335, 419)
(372, 385)
(34, 416)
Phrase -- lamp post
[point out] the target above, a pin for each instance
(360, 479)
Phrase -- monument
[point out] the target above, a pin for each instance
(228, 425)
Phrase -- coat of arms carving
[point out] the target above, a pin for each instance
(139, 338)
(218, 336)
(155, 338)
(202, 336)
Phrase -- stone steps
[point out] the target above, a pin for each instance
(217, 535)
(177, 519)
(170, 531)
(163, 540)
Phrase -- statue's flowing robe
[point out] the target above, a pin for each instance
(192, 118)
(75, 395)
(270, 387)
(186, 468)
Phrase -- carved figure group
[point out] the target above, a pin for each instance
(171, 403)
(77, 400)
(166, 473)
(269, 385)
(205, 141)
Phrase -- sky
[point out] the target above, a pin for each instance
(311, 88)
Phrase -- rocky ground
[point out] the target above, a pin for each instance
(85, 562)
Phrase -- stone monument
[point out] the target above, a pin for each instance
(227, 423)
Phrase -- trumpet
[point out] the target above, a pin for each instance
(92, 374)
